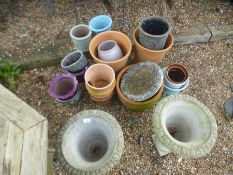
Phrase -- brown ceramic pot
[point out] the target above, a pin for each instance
(100, 81)
(121, 39)
(134, 105)
(144, 54)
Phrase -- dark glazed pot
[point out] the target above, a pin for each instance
(153, 32)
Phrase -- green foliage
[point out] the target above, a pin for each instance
(8, 73)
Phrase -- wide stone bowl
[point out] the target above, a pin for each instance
(134, 105)
(184, 126)
(91, 142)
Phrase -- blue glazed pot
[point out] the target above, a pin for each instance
(100, 24)
(173, 91)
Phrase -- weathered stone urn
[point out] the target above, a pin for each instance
(184, 126)
(91, 142)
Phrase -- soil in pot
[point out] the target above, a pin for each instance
(176, 75)
(81, 32)
(99, 83)
(63, 87)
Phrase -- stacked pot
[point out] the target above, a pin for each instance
(152, 39)
(175, 79)
(140, 86)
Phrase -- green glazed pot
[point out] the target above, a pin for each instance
(81, 36)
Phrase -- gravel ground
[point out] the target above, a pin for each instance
(23, 29)
(210, 68)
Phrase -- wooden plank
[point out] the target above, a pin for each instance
(17, 111)
(34, 153)
(12, 160)
(4, 127)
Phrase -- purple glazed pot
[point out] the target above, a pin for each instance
(79, 74)
(63, 87)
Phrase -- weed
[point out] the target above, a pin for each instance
(8, 73)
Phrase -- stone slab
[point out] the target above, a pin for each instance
(197, 34)
(221, 32)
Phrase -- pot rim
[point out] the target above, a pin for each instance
(58, 78)
(98, 65)
(80, 38)
(181, 67)
(155, 17)
(104, 42)
(102, 29)
(113, 33)
(78, 73)
(149, 50)
(67, 56)
(136, 103)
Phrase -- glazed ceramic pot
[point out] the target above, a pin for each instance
(153, 32)
(64, 88)
(81, 36)
(74, 61)
(79, 74)
(91, 142)
(173, 91)
(144, 54)
(109, 51)
(176, 76)
(100, 24)
(136, 105)
(100, 81)
(121, 39)
(184, 126)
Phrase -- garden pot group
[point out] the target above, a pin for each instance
(97, 135)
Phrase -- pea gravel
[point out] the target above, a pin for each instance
(209, 65)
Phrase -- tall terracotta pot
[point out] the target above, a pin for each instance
(121, 39)
(144, 54)
(100, 82)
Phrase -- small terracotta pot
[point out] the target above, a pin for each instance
(144, 54)
(100, 81)
(102, 100)
(133, 105)
(121, 39)
(176, 76)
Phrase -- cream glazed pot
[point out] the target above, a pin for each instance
(109, 50)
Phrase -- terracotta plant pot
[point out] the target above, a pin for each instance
(133, 105)
(121, 39)
(144, 54)
(100, 81)
(176, 76)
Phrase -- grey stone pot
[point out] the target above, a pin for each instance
(141, 81)
(91, 142)
(74, 62)
(184, 126)
(153, 32)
